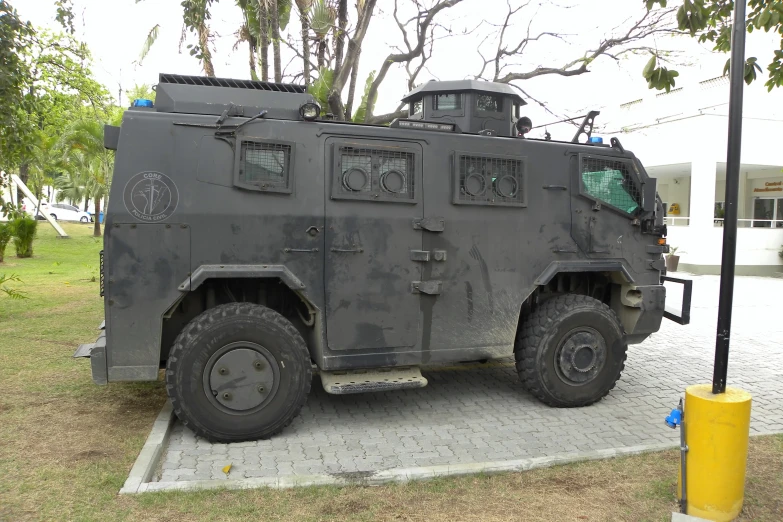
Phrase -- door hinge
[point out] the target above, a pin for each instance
(426, 287)
(435, 224)
(420, 255)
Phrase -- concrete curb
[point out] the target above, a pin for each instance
(149, 457)
(140, 475)
(400, 474)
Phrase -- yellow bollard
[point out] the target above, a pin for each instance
(717, 428)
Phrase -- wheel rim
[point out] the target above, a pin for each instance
(241, 378)
(581, 356)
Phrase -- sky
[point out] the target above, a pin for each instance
(115, 31)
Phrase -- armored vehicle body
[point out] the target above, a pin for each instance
(250, 242)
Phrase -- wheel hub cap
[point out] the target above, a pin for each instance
(241, 377)
(581, 356)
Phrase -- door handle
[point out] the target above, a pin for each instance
(347, 250)
(426, 287)
(436, 224)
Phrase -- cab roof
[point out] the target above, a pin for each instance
(438, 87)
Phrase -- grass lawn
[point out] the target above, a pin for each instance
(66, 445)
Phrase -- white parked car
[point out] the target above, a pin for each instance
(64, 212)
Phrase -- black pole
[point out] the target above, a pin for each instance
(732, 192)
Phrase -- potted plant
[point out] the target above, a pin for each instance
(672, 259)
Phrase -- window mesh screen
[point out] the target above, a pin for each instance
(265, 165)
(376, 173)
(610, 182)
(490, 180)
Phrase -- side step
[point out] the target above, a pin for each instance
(379, 379)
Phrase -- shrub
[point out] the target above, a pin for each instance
(5, 237)
(23, 230)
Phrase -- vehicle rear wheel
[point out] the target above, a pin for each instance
(84, 219)
(570, 351)
(238, 372)
(53, 217)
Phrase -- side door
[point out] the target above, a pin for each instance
(606, 197)
(373, 197)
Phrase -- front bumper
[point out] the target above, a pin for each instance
(96, 352)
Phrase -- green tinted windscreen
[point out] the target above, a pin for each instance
(610, 186)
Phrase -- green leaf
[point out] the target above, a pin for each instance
(148, 42)
(648, 69)
(320, 88)
(361, 111)
(283, 12)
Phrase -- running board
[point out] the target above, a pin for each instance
(379, 379)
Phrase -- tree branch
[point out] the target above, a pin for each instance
(342, 74)
(411, 54)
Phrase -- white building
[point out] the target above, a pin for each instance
(681, 137)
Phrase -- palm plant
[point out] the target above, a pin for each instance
(83, 142)
(46, 162)
(24, 230)
(5, 238)
(322, 16)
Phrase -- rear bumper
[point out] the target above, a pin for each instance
(96, 352)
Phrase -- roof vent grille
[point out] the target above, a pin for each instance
(227, 82)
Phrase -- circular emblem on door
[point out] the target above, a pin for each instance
(151, 196)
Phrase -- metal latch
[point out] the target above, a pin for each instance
(426, 287)
(434, 224)
(420, 255)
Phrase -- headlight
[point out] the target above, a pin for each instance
(310, 111)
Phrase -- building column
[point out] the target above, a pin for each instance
(702, 204)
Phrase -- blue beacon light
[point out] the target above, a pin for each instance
(596, 139)
(142, 103)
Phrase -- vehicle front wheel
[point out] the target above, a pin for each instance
(570, 351)
(53, 217)
(84, 219)
(238, 372)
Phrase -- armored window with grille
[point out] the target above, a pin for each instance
(489, 180)
(610, 181)
(489, 103)
(375, 174)
(265, 166)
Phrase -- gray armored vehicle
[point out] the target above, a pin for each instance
(250, 242)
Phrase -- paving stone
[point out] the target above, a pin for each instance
(482, 414)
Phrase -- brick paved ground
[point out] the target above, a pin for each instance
(482, 414)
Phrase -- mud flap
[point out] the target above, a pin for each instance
(96, 352)
(684, 315)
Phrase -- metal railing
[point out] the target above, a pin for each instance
(677, 221)
(754, 223)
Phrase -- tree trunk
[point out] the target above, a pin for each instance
(352, 85)
(263, 17)
(86, 203)
(206, 54)
(305, 46)
(321, 52)
(24, 175)
(252, 60)
(274, 20)
(97, 228)
(339, 43)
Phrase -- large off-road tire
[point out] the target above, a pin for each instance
(570, 351)
(237, 372)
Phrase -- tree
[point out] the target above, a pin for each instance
(195, 15)
(91, 163)
(711, 21)
(304, 18)
(40, 70)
